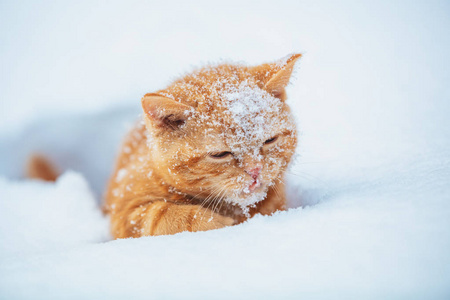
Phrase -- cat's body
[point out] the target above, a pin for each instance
(210, 151)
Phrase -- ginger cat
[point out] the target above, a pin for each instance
(210, 152)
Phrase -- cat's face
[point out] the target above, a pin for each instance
(222, 133)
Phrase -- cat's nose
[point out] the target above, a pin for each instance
(254, 171)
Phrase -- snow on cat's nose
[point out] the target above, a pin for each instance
(254, 172)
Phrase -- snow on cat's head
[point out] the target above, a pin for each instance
(223, 132)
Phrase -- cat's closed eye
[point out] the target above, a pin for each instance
(271, 140)
(219, 155)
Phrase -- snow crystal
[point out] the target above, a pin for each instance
(121, 174)
(256, 114)
(283, 61)
(116, 192)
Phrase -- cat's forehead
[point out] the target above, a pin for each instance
(204, 88)
(221, 90)
(229, 105)
(236, 104)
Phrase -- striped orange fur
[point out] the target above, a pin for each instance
(209, 152)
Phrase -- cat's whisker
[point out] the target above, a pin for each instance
(212, 195)
(309, 162)
(203, 191)
(220, 197)
(280, 180)
(207, 207)
(217, 199)
(305, 176)
(221, 203)
(275, 188)
(202, 206)
(213, 189)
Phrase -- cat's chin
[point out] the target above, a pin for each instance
(246, 199)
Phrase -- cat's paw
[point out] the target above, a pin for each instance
(222, 221)
(207, 220)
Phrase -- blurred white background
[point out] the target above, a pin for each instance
(373, 72)
(373, 80)
(60, 56)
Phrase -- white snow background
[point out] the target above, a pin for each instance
(370, 189)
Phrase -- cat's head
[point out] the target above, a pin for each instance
(224, 131)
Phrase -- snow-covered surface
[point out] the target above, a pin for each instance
(371, 185)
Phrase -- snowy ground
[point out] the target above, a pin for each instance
(370, 189)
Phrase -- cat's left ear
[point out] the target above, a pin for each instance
(275, 76)
(165, 112)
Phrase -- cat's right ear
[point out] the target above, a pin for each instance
(164, 112)
(274, 77)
